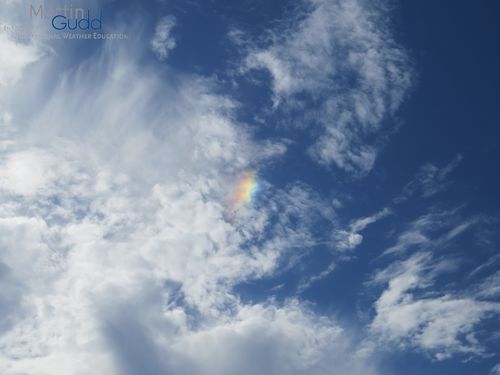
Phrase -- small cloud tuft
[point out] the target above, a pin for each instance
(163, 42)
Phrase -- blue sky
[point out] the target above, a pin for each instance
(250, 187)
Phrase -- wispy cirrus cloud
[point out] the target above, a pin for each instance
(342, 242)
(429, 180)
(433, 230)
(415, 310)
(495, 370)
(439, 324)
(337, 67)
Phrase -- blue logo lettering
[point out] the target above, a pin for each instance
(60, 22)
(62, 25)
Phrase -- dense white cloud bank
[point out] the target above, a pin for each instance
(119, 252)
(14, 58)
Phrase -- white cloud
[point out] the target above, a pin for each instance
(117, 247)
(411, 314)
(163, 42)
(417, 308)
(305, 284)
(119, 255)
(342, 241)
(338, 60)
(266, 339)
(490, 287)
(433, 230)
(495, 370)
(15, 58)
(491, 262)
(429, 180)
(351, 238)
(26, 172)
